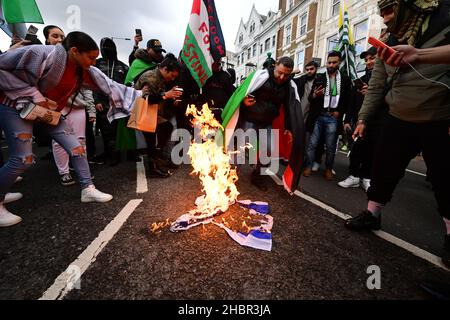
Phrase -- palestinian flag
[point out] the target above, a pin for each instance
(346, 44)
(204, 42)
(254, 81)
(21, 11)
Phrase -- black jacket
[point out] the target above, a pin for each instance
(269, 98)
(218, 90)
(357, 101)
(317, 103)
(111, 66)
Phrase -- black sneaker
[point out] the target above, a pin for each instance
(67, 180)
(365, 221)
(97, 160)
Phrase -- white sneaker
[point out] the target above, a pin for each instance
(7, 219)
(11, 197)
(91, 194)
(316, 167)
(350, 182)
(365, 184)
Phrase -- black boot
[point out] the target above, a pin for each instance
(115, 159)
(157, 172)
(258, 180)
(365, 221)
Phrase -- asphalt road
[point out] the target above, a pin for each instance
(314, 256)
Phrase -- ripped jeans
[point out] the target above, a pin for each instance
(19, 137)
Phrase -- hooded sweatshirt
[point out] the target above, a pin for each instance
(110, 65)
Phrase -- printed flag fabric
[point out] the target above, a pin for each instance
(21, 11)
(204, 42)
(346, 44)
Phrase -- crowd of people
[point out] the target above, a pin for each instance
(393, 112)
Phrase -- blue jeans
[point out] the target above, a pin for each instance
(19, 137)
(327, 126)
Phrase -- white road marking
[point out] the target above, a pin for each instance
(141, 186)
(64, 283)
(425, 255)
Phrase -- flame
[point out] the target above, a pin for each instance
(157, 227)
(212, 165)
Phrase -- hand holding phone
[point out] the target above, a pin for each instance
(359, 84)
(381, 45)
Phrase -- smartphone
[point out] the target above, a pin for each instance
(139, 32)
(318, 84)
(32, 30)
(359, 84)
(378, 44)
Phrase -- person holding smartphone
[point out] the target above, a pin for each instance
(362, 151)
(419, 112)
(329, 99)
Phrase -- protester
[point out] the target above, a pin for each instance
(217, 90)
(154, 83)
(418, 120)
(329, 99)
(272, 88)
(49, 75)
(146, 59)
(116, 70)
(74, 115)
(363, 150)
(305, 86)
(53, 35)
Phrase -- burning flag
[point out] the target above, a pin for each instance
(218, 178)
(204, 42)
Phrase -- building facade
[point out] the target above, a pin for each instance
(304, 30)
(364, 19)
(254, 41)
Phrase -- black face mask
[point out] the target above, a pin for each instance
(109, 53)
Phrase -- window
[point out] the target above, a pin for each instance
(361, 31)
(303, 24)
(267, 44)
(241, 38)
(242, 58)
(288, 32)
(273, 42)
(254, 50)
(252, 27)
(290, 5)
(332, 43)
(301, 60)
(335, 4)
(261, 49)
(249, 53)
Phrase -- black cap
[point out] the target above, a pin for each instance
(155, 45)
(372, 51)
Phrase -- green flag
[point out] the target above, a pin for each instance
(21, 11)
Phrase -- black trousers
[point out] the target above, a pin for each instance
(163, 132)
(90, 138)
(363, 152)
(400, 142)
(109, 133)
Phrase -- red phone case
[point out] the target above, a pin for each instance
(378, 44)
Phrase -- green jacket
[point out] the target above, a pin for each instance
(410, 97)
